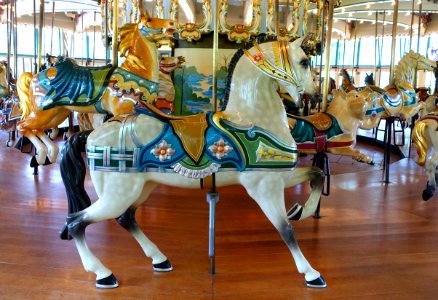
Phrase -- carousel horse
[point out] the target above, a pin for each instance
(247, 143)
(47, 98)
(398, 99)
(166, 89)
(9, 107)
(347, 82)
(334, 131)
(425, 139)
(369, 79)
(164, 102)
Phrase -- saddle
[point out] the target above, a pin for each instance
(321, 121)
(190, 130)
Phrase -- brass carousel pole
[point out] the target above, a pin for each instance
(411, 29)
(394, 40)
(375, 48)
(115, 32)
(327, 55)
(389, 126)
(40, 35)
(420, 10)
(212, 195)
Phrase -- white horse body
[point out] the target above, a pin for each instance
(253, 101)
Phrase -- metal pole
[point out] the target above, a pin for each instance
(327, 56)
(375, 48)
(40, 35)
(381, 46)
(277, 17)
(35, 42)
(394, 40)
(411, 29)
(115, 32)
(106, 32)
(8, 38)
(53, 21)
(354, 50)
(94, 38)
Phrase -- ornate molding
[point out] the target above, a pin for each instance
(192, 31)
(240, 32)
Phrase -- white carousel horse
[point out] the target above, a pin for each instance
(398, 99)
(334, 131)
(251, 132)
(48, 98)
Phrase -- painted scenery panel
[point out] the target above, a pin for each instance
(193, 82)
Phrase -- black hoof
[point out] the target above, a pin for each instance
(317, 283)
(109, 282)
(34, 163)
(427, 194)
(295, 212)
(165, 266)
(64, 234)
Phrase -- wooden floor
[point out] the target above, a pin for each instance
(374, 240)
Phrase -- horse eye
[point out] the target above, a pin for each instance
(305, 63)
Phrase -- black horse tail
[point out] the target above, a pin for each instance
(73, 171)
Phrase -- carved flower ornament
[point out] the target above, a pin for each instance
(163, 151)
(258, 57)
(220, 149)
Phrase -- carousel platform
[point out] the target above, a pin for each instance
(373, 241)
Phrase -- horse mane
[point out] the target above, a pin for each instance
(259, 40)
(128, 34)
(404, 71)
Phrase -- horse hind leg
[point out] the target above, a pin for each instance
(77, 224)
(40, 147)
(430, 168)
(127, 221)
(269, 195)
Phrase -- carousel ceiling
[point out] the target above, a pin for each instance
(351, 17)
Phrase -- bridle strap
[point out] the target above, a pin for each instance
(281, 69)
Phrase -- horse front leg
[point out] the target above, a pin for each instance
(268, 192)
(354, 153)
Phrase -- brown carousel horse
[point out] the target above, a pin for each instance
(47, 98)
(347, 82)
(334, 131)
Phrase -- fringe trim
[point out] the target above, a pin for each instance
(198, 174)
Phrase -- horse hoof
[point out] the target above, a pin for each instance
(164, 266)
(295, 212)
(34, 162)
(109, 282)
(316, 283)
(427, 194)
(64, 234)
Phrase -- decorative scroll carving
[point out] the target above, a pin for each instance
(240, 32)
(192, 31)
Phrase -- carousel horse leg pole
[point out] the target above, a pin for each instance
(389, 126)
(212, 199)
(322, 161)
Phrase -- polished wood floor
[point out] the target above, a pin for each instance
(374, 240)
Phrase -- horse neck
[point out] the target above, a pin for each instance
(142, 59)
(339, 109)
(253, 100)
(404, 71)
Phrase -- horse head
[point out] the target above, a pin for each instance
(170, 63)
(420, 62)
(369, 79)
(299, 63)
